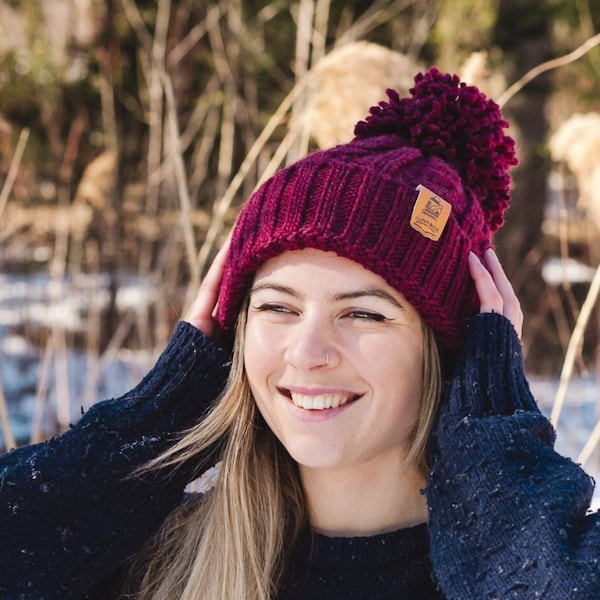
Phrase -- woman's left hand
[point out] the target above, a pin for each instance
(202, 312)
(495, 291)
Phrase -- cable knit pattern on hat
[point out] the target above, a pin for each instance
(357, 200)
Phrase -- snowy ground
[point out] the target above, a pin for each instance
(40, 303)
(33, 300)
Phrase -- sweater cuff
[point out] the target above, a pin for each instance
(189, 374)
(489, 378)
(186, 347)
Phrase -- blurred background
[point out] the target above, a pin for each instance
(132, 131)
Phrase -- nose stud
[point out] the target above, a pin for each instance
(326, 358)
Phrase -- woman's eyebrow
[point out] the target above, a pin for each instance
(375, 292)
(284, 289)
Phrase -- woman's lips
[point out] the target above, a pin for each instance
(318, 400)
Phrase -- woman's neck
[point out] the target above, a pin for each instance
(366, 501)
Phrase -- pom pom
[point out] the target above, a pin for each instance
(457, 123)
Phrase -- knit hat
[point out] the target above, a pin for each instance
(424, 182)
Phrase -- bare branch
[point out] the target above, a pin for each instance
(574, 346)
(135, 18)
(378, 13)
(13, 169)
(548, 66)
(9, 438)
(182, 186)
(194, 36)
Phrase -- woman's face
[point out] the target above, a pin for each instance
(334, 358)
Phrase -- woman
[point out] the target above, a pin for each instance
(375, 437)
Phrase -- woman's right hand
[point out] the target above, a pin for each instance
(495, 291)
(202, 312)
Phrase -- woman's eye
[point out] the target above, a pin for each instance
(367, 315)
(273, 308)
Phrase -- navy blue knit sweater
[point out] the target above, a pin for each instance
(507, 515)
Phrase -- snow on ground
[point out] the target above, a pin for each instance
(39, 302)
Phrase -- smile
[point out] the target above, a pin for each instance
(319, 401)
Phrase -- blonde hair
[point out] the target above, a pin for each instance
(432, 392)
(235, 541)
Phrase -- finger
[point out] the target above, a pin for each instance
(511, 307)
(202, 311)
(490, 299)
(493, 265)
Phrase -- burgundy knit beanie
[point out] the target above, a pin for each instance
(424, 182)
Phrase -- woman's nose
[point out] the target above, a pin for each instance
(311, 346)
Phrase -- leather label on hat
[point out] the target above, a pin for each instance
(430, 214)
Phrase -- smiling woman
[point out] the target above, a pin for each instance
(366, 404)
(350, 419)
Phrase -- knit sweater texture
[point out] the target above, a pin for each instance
(508, 517)
(380, 567)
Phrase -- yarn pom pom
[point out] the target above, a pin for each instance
(445, 118)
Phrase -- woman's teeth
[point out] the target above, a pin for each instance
(320, 402)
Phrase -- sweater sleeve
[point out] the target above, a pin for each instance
(508, 516)
(70, 511)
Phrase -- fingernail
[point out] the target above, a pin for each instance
(474, 258)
